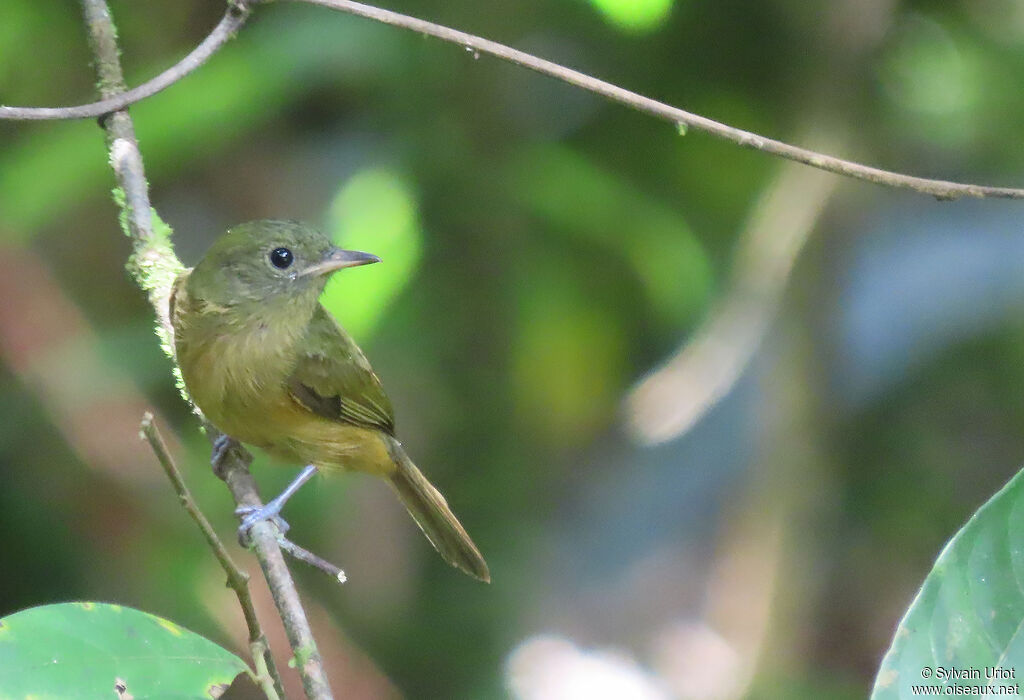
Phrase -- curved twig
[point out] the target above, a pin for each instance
(238, 12)
(233, 19)
(941, 189)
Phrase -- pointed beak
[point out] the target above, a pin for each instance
(337, 259)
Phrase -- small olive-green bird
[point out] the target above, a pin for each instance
(268, 365)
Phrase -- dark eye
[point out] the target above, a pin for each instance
(281, 258)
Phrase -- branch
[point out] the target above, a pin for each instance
(238, 11)
(154, 266)
(941, 189)
(235, 16)
(234, 470)
(238, 580)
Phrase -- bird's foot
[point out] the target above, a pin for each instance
(256, 514)
(272, 510)
(221, 446)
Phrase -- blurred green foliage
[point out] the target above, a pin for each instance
(374, 210)
(543, 250)
(637, 15)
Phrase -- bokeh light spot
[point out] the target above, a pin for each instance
(634, 15)
(375, 211)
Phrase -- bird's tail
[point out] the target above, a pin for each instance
(431, 512)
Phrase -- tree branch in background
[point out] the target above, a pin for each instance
(937, 188)
(238, 12)
(674, 397)
(266, 670)
(154, 266)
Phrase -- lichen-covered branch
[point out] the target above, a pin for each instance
(154, 266)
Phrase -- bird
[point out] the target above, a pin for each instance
(269, 366)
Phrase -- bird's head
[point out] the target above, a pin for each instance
(264, 261)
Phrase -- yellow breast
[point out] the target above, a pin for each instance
(235, 363)
(236, 366)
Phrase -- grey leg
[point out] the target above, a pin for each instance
(272, 510)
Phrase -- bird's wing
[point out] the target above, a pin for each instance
(332, 378)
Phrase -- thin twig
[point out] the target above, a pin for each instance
(937, 188)
(307, 557)
(152, 261)
(238, 12)
(233, 19)
(267, 675)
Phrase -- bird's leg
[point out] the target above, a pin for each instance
(272, 510)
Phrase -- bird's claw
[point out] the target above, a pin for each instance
(256, 514)
(220, 450)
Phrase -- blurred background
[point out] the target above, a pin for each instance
(709, 415)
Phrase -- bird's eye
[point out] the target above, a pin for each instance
(281, 258)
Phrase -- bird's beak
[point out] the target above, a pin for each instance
(337, 259)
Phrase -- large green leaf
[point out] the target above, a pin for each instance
(968, 616)
(95, 650)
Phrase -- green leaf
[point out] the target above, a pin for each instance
(969, 614)
(85, 650)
